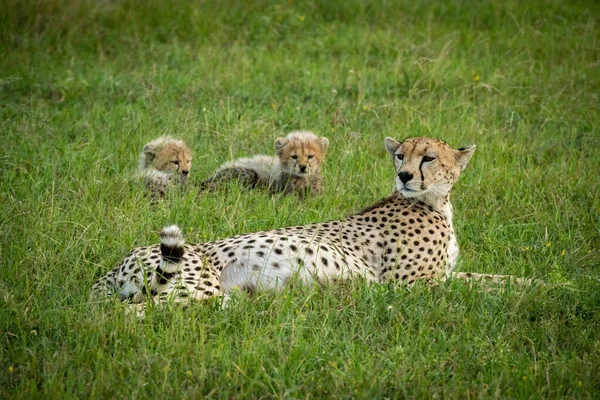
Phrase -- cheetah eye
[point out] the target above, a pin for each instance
(294, 157)
(175, 162)
(400, 156)
(428, 159)
(310, 157)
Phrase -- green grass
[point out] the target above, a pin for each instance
(85, 83)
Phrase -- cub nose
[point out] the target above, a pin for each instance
(185, 172)
(405, 176)
(303, 168)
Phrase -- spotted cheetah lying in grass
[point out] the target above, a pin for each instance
(295, 168)
(165, 162)
(402, 238)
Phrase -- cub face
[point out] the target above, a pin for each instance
(426, 166)
(301, 153)
(168, 155)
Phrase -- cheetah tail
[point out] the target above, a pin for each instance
(171, 248)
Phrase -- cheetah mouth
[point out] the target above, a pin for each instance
(408, 192)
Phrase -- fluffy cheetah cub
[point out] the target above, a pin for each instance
(295, 168)
(402, 238)
(164, 162)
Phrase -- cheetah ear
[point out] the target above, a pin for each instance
(324, 143)
(150, 153)
(280, 144)
(463, 155)
(391, 145)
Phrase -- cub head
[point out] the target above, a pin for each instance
(426, 167)
(301, 153)
(168, 155)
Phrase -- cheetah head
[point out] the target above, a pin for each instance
(426, 167)
(301, 153)
(168, 155)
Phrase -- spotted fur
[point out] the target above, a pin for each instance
(404, 237)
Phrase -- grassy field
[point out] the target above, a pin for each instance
(85, 83)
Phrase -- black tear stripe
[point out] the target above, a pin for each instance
(420, 168)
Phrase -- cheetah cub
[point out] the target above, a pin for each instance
(402, 238)
(296, 167)
(164, 162)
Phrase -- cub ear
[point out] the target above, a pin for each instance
(150, 153)
(280, 144)
(324, 143)
(391, 145)
(463, 155)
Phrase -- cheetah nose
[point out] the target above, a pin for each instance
(185, 172)
(405, 176)
(303, 168)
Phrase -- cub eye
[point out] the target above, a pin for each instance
(400, 156)
(175, 162)
(428, 159)
(310, 157)
(294, 157)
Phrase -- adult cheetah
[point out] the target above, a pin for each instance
(404, 237)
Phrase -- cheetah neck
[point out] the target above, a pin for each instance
(440, 204)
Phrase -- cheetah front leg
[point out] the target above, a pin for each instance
(316, 185)
(301, 187)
